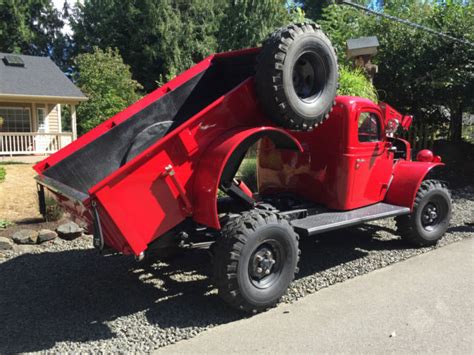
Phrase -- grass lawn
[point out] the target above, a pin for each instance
(2, 173)
(18, 197)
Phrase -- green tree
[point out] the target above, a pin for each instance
(246, 23)
(32, 27)
(453, 77)
(106, 81)
(161, 38)
(418, 72)
(157, 38)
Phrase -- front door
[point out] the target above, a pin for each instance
(372, 162)
(42, 141)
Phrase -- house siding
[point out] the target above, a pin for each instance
(53, 118)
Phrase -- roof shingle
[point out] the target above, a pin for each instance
(39, 77)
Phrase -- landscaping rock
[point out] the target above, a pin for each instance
(6, 243)
(45, 235)
(25, 236)
(69, 231)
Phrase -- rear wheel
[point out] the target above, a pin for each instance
(297, 75)
(431, 215)
(255, 260)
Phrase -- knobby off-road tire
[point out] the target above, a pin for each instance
(252, 243)
(431, 215)
(297, 76)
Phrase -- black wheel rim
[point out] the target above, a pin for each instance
(434, 213)
(309, 77)
(266, 264)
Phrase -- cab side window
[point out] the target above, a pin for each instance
(369, 127)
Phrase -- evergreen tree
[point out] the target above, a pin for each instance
(246, 23)
(32, 27)
(158, 39)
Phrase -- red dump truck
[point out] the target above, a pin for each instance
(148, 178)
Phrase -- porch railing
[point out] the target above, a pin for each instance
(16, 143)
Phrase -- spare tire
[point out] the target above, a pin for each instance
(297, 76)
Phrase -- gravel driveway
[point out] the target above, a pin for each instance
(66, 297)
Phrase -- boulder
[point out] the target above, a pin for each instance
(69, 231)
(25, 236)
(6, 243)
(45, 234)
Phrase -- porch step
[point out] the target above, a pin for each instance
(328, 221)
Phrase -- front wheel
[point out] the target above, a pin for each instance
(255, 260)
(430, 217)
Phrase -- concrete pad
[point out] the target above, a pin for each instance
(424, 304)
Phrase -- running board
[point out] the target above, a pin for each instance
(329, 221)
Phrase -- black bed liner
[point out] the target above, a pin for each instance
(92, 163)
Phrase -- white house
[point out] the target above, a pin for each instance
(32, 91)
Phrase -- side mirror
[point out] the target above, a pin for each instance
(391, 127)
(406, 122)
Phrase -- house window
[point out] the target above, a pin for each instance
(15, 119)
(369, 127)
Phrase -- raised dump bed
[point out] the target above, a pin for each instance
(119, 169)
(143, 124)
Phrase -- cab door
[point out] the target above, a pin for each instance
(372, 161)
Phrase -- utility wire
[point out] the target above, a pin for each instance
(406, 22)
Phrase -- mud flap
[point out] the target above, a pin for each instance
(41, 200)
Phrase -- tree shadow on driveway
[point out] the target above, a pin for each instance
(71, 295)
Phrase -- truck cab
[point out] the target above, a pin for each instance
(347, 161)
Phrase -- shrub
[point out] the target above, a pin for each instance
(106, 80)
(54, 211)
(353, 82)
(4, 223)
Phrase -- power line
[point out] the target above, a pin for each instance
(406, 22)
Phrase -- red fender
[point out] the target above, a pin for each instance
(215, 159)
(407, 178)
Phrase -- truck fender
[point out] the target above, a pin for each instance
(221, 161)
(406, 180)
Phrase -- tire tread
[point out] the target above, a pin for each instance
(270, 65)
(228, 249)
(406, 224)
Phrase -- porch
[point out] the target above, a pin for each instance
(25, 143)
(35, 128)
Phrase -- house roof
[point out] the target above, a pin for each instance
(39, 77)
